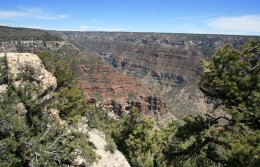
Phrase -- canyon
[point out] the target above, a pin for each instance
(154, 72)
(163, 67)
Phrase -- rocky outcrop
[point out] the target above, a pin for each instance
(107, 159)
(98, 139)
(3, 88)
(27, 67)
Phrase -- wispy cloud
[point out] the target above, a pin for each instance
(33, 13)
(246, 23)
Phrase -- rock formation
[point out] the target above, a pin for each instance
(107, 159)
(27, 67)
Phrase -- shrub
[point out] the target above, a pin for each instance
(110, 146)
(70, 102)
(59, 67)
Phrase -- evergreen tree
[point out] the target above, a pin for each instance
(231, 79)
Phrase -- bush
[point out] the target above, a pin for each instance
(70, 102)
(110, 146)
(59, 67)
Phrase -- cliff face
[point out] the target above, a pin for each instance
(169, 64)
(117, 91)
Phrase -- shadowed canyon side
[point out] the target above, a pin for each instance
(167, 63)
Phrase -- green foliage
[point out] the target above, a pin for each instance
(231, 80)
(59, 67)
(34, 138)
(79, 142)
(48, 60)
(13, 128)
(29, 97)
(135, 137)
(111, 145)
(70, 102)
(63, 73)
(98, 118)
(30, 136)
(3, 71)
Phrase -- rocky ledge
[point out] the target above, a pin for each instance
(27, 67)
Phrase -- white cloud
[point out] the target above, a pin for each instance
(247, 23)
(33, 13)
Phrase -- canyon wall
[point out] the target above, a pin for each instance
(168, 64)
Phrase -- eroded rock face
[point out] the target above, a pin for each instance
(118, 92)
(27, 67)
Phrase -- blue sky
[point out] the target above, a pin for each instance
(176, 16)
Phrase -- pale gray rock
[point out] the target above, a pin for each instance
(107, 159)
(20, 64)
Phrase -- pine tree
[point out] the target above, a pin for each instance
(231, 79)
